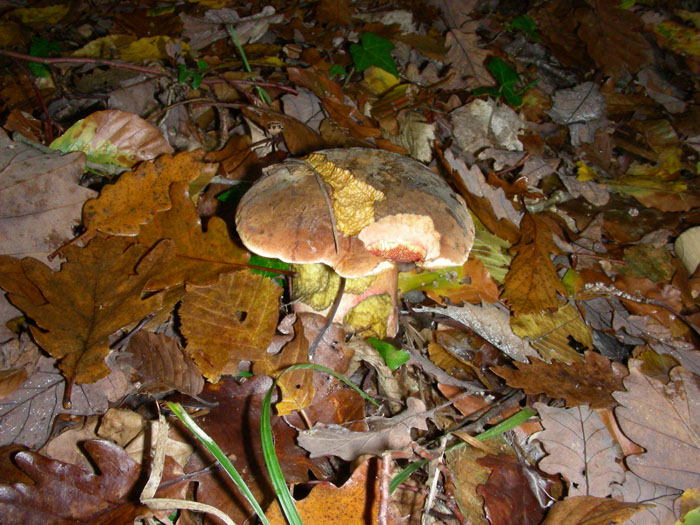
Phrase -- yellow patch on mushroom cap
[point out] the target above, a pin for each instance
(370, 317)
(315, 284)
(353, 200)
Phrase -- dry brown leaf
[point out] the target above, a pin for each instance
(662, 418)
(663, 500)
(230, 321)
(18, 360)
(613, 37)
(591, 381)
(199, 257)
(96, 293)
(298, 137)
(392, 433)
(236, 160)
(466, 56)
(40, 198)
(296, 386)
(137, 195)
(532, 282)
(579, 448)
(162, 365)
(355, 503)
(588, 510)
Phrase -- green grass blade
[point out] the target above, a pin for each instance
(212, 447)
(261, 92)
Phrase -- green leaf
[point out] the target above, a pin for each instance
(393, 357)
(338, 70)
(525, 24)
(374, 51)
(41, 48)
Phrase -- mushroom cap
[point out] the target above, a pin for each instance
(420, 219)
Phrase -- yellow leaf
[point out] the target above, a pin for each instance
(584, 172)
(230, 321)
(39, 17)
(379, 80)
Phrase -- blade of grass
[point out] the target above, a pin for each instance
(212, 447)
(268, 443)
(505, 425)
(261, 92)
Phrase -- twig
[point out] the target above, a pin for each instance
(329, 317)
(384, 496)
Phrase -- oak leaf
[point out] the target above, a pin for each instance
(355, 503)
(532, 283)
(466, 56)
(580, 448)
(199, 257)
(96, 293)
(298, 137)
(591, 381)
(591, 511)
(662, 417)
(137, 195)
(230, 321)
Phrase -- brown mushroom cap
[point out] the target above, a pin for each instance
(285, 216)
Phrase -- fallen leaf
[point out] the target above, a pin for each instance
(392, 433)
(27, 415)
(18, 361)
(199, 256)
(525, 290)
(230, 321)
(663, 500)
(114, 137)
(354, 503)
(233, 423)
(466, 56)
(298, 137)
(507, 495)
(139, 194)
(555, 335)
(162, 365)
(491, 323)
(95, 293)
(591, 381)
(579, 448)
(590, 510)
(662, 418)
(40, 199)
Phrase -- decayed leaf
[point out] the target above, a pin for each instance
(591, 381)
(385, 434)
(230, 321)
(532, 282)
(467, 57)
(199, 257)
(507, 495)
(553, 334)
(662, 418)
(232, 423)
(18, 360)
(590, 510)
(614, 37)
(137, 195)
(355, 503)
(114, 137)
(162, 365)
(661, 499)
(492, 324)
(95, 294)
(579, 448)
(297, 387)
(40, 198)
(665, 195)
(64, 493)
(27, 415)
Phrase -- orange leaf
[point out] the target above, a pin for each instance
(95, 294)
(355, 503)
(230, 321)
(137, 195)
(532, 282)
(199, 257)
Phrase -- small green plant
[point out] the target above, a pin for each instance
(393, 357)
(337, 70)
(41, 48)
(525, 24)
(194, 77)
(507, 80)
(373, 50)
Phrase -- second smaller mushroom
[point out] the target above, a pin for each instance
(354, 213)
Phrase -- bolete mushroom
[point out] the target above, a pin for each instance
(355, 213)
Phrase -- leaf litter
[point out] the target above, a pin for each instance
(569, 129)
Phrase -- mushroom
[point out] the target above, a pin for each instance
(354, 213)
